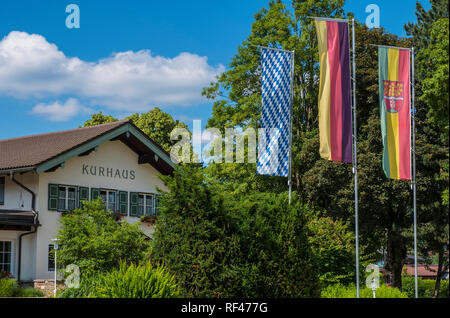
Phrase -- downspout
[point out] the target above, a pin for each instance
(33, 209)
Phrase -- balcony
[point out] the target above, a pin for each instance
(17, 220)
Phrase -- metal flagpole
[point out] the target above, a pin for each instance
(414, 172)
(355, 162)
(413, 157)
(290, 126)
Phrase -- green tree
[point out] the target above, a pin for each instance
(155, 123)
(158, 125)
(421, 30)
(92, 239)
(98, 119)
(192, 236)
(220, 245)
(276, 259)
(333, 249)
(435, 84)
(430, 38)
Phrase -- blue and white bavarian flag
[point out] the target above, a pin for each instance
(274, 139)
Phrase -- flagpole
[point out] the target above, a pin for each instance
(290, 126)
(414, 172)
(355, 162)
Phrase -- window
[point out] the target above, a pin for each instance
(5, 256)
(67, 198)
(109, 197)
(157, 197)
(145, 204)
(2, 190)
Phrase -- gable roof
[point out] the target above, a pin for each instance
(45, 151)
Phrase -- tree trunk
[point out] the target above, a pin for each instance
(396, 253)
(439, 273)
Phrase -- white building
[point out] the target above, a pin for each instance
(44, 175)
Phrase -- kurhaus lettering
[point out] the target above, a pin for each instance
(100, 171)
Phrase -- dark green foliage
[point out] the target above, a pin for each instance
(192, 236)
(93, 240)
(217, 245)
(333, 250)
(276, 259)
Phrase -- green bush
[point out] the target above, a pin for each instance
(28, 292)
(92, 239)
(7, 286)
(443, 291)
(332, 244)
(10, 288)
(85, 290)
(127, 281)
(349, 291)
(425, 287)
(221, 245)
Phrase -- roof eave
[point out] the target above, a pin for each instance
(126, 128)
(13, 170)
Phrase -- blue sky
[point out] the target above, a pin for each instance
(127, 56)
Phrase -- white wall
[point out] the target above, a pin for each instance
(28, 253)
(112, 154)
(17, 198)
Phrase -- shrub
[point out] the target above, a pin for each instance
(10, 288)
(28, 292)
(349, 291)
(136, 281)
(276, 257)
(332, 243)
(221, 245)
(85, 290)
(7, 286)
(425, 287)
(127, 281)
(92, 239)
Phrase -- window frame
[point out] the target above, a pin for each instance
(156, 202)
(116, 198)
(66, 198)
(2, 190)
(11, 255)
(145, 194)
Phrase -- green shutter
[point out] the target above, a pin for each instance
(123, 202)
(134, 199)
(52, 197)
(95, 193)
(83, 195)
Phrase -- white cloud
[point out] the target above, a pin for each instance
(59, 112)
(31, 67)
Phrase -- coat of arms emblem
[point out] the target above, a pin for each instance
(393, 96)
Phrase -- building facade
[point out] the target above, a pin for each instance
(42, 176)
